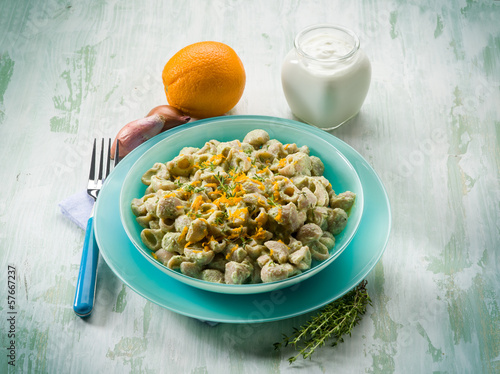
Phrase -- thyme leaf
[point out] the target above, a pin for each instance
(223, 183)
(333, 322)
(272, 202)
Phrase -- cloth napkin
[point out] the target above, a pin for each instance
(78, 208)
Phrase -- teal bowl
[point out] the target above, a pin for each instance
(338, 171)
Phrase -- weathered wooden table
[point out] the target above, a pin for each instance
(430, 127)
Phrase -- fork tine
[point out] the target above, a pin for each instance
(108, 158)
(117, 153)
(101, 161)
(92, 163)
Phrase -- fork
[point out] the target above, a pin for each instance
(85, 287)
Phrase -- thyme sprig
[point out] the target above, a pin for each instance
(333, 322)
(273, 202)
(224, 184)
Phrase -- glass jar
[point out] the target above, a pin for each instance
(326, 76)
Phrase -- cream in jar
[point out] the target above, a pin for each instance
(326, 76)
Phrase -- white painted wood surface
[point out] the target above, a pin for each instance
(430, 127)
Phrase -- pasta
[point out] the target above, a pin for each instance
(241, 212)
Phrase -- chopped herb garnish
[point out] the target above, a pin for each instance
(272, 202)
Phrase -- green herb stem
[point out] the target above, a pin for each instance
(333, 322)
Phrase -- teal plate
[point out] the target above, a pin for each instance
(343, 274)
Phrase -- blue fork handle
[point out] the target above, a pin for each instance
(85, 287)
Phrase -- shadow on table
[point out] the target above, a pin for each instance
(110, 296)
(253, 341)
(356, 127)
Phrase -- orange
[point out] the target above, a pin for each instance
(204, 79)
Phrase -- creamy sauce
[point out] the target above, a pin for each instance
(321, 86)
(325, 47)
